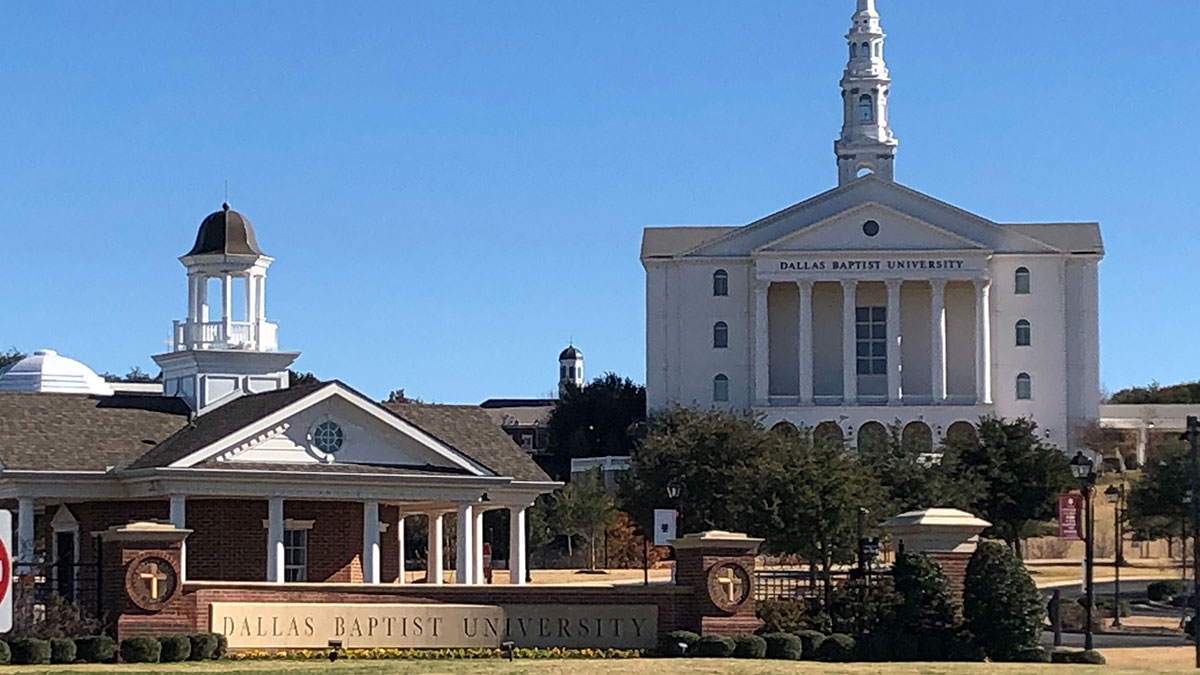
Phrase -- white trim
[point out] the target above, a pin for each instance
(64, 522)
(291, 524)
(972, 245)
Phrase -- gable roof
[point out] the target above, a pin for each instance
(77, 432)
(1066, 237)
(658, 242)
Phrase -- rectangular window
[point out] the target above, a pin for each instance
(295, 555)
(870, 343)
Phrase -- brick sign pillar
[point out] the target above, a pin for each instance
(719, 568)
(141, 581)
(947, 536)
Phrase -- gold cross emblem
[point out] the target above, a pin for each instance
(153, 575)
(727, 581)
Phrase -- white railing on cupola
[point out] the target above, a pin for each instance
(255, 335)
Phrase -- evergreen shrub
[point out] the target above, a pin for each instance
(140, 650)
(679, 643)
(204, 646)
(174, 648)
(1089, 657)
(715, 646)
(95, 649)
(749, 647)
(1164, 591)
(810, 641)
(837, 648)
(1030, 655)
(1002, 607)
(5, 654)
(222, 646)
(62, 650)
(785, 646)
(30, 651)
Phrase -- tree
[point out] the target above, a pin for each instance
(927, 604)
(582, 507)
(398, 396)
(1002, 607)
(1185, 392)
(1156, 506)
(599, 419)
(1020, 476)
(910, 481)
(10, 357)
(297, 378)
(135, 374)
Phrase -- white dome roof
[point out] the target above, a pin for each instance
(46, 371)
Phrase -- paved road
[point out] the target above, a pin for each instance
(1113, 641)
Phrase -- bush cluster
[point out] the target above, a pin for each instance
(1164, 591)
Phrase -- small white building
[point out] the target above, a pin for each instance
(873, 302)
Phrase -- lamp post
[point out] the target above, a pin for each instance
(1192, 436)
(674, 490)
(1116, 497)
(1082, 468)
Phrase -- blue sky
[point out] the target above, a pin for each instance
(452, 191)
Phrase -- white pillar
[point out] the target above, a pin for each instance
(227, 305)
(275, 558)
(400, 549)
(261, 305)
(179, 520)
(466, 540)
(983, 343)
(516, 545)
(433, 569)
(193, 297)
(894, 367)
(250, 311)
(937, 339)
(203, 299)
(25, 531)
(849, 344)
(370, 542)
(804, 311)
(1143, 439)
(762, 366)
(477, 557)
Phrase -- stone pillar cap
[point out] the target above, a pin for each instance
(145, 530)
(936, 517)
(716, 539)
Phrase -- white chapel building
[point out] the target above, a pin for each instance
(875, 303)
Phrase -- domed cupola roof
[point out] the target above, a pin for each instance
(46, 371)
(225, 232)
(570, 354)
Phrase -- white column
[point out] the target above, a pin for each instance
(937, 339)
(983, 343)
(1143, 439)
(25, 531)
(433, 569)
(849, 343)
(894, 367)
(762, 367)
(227, 305)
(400, 549)
(463, 566)
(804, 311)
(193, 296)
(275, 557)
(250, 311)
(179, 520)
(477, 557)
(370, 542)
(203, 299)
(516, 545)
(262, 297)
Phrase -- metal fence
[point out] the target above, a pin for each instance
(75, 583)
(800, 584)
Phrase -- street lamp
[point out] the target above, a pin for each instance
(1083, 469)
(674, 490)
(1116, 496)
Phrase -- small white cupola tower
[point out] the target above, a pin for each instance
(218, 357)
(570, 369)
(866, 145)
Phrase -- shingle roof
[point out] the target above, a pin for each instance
(219, 422)
(668, 241)
(468, 429)
(77, 432)
(1067, 237)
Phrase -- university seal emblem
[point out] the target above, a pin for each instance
(150, 581)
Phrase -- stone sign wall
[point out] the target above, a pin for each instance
(277, 625)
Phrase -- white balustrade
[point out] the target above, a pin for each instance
(257, 335)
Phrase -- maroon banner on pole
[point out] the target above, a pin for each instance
(1070, 507)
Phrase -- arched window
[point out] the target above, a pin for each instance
(853, 50)
(720, 335)
(720, 282)
(1023, 333)
(1021, 281)
(865, 112)
(721, 388)
(866, 47)
(878, 49)
(562, 372)
(1024, 387)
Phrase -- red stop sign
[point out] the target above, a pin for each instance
(5, 571)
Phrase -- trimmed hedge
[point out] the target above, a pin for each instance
(715, 646)
(810, 640)
(62, 650)
(30, 651)
(784, 646)
(222, 646)
(5, 653)
(749, 647)
(174, 648)
(679, 643)
(1165, 590)
(1002, 607)
(1089, 657)
(837, 648)
(140, 650)
(1030, 655)
(95, 649)
(204, 646)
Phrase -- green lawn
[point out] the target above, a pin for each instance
(623, 667)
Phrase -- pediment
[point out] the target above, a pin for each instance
(824, 209)
(872, 227)
(367, 435)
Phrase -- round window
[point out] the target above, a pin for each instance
(870, 228)
(328, 437)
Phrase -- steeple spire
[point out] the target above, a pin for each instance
(866, 144)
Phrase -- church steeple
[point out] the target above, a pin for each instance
(867, 144)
